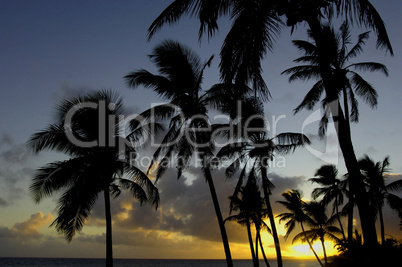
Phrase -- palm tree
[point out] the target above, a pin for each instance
(189, 130)
(295, 204)
(375, 173)
(332, 190)
(255, 27)
(250, 207)
(321, 227)
(87, 130)
(327, 57)
(256, 153)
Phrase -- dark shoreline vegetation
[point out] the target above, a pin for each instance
(91, 130)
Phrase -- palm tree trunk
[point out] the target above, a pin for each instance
(350, 217)
(225, 241)
(257, 235)
(339, 218)
(382, 227)
(271, 216)
(345, 141)
(310, 245)
(108, 217)
(345, 105)
(263, 252)
(325, 252)
(250, 241)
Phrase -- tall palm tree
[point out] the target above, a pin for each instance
(255, 27)
(180, 81)
(251, 210)
(295, 204)
(379, 191)
(327, 57)
(87, 130)
(321, 227)
(256, 153)
(332, 190)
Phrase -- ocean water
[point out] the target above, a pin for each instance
(59, 262)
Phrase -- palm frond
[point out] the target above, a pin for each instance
(74, 208)
(52, 138)
(365, 14)
(135, 189)
(365, 90)
(255, 26)
(55, 176)
(370, 66)
(395, 186)
(358, 47)
(302, 72)
(312, 97)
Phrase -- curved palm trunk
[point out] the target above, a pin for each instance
(310, 245)
(263, 252)
(271, 216)
(382, 227)
(324, 250)
(345, 141)
(218, 212)
(250, 241)
(108, 217)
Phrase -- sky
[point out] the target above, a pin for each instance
(51, 50)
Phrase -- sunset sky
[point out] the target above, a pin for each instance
(50, 50)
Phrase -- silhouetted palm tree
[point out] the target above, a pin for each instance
(327, 56)
(321, 227)
(295, 204)
(256, 153)
(332, 190)
(87, 129)
(375, 173)
(180, 80)
(251, 210)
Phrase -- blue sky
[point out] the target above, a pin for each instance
(50, 50)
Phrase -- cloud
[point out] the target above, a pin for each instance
(14, 169)
(186, 208)
(3, 202)
(27, 230)
(6, 139)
